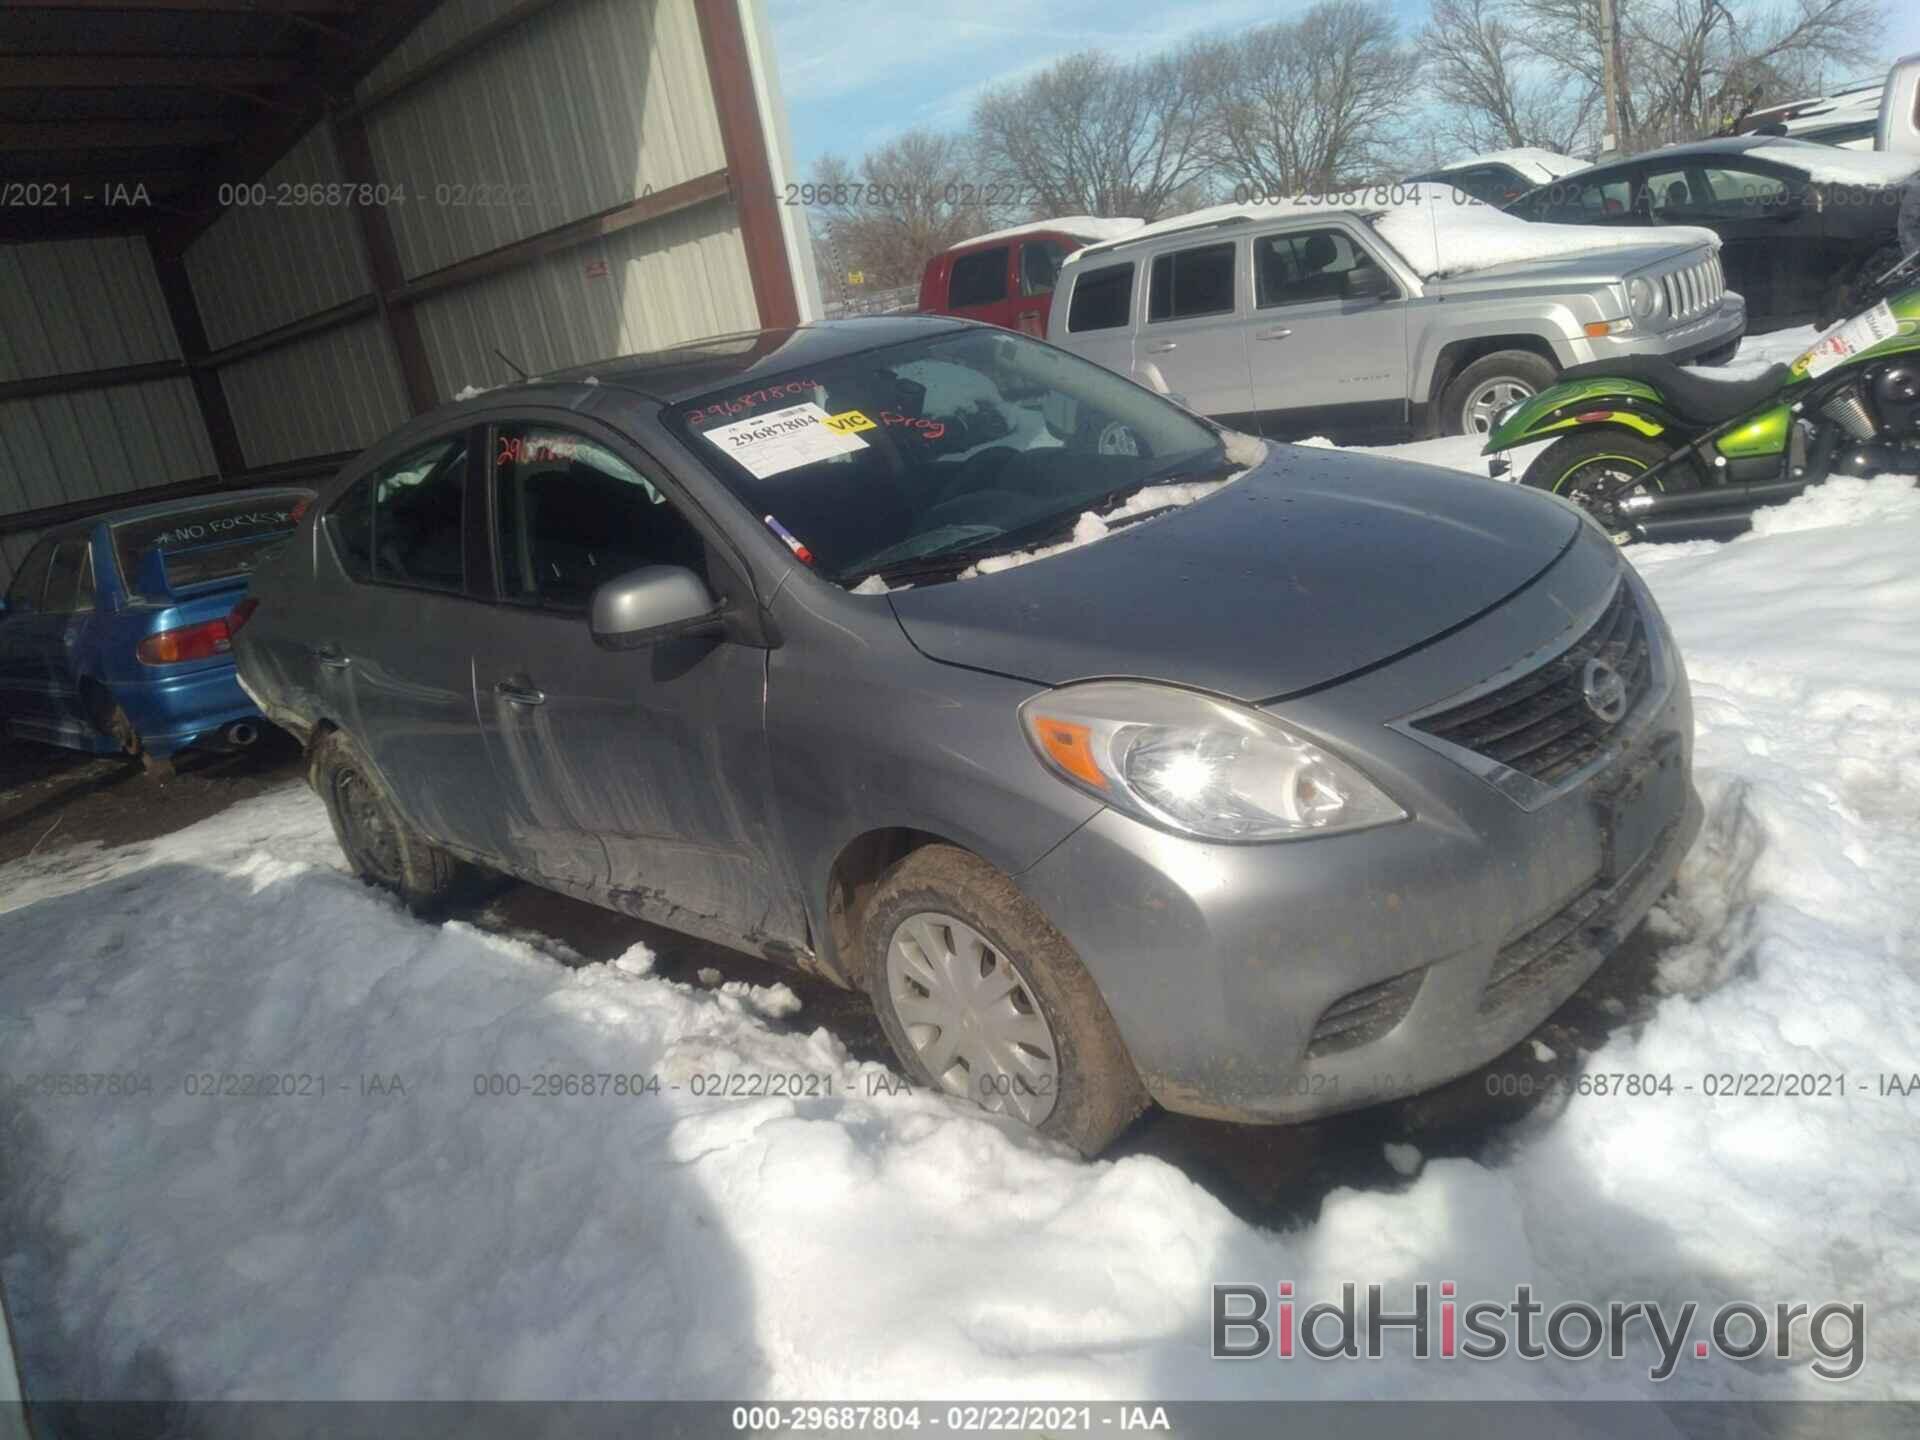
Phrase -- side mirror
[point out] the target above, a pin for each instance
(655, 602)
(1370, 282)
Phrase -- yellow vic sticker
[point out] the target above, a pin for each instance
(848, 422)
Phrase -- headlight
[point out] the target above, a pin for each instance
(1643, 297)
(1198, 766)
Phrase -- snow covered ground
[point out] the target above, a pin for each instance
(401, 1235)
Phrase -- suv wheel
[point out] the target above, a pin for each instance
(983, 998)
(380, 846)
(1476, 396)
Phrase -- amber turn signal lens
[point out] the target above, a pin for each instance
(1070, 746)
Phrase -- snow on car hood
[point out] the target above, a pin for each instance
(1442, 237)
(1305, 569)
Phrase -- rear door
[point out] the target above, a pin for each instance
(1771, 246)
(66, 616)
(1329, 332)
(1195, 332)
(638, 774)
(392, 652)
(981, 286)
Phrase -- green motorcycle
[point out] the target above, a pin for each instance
(1657, 451)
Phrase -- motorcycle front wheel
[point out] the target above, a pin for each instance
(1577, 466)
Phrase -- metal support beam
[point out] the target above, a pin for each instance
(688, 193)
(176, 289)
(109, 72)
(74, 381)
(748, 165)
(478, 39)
(383, 258)
(108, 134)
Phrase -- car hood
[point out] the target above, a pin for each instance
(1575, 267)
(1312, 566)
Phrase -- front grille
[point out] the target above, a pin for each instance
(1694, 289)
(1541, 724)
(1365, 1015)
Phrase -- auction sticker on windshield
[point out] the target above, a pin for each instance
(1863, 332)
(783, 440)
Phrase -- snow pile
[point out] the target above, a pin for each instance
(1091, 228)
(867, 1243)
(1835, 166)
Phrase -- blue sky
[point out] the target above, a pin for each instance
(856, 74)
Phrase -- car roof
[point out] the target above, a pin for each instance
(671, 376)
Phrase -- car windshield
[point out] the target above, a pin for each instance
(920, 457)
(218, 541)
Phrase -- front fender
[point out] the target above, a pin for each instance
(1603, 400)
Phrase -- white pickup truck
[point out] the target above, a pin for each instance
(1899, 127)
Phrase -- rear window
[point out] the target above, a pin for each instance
(1101, 298)
(978, 279)
(213, 542)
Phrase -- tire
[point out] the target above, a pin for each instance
(1086, 1091)
(1489, 385)
(380, 846)
(1574, 462)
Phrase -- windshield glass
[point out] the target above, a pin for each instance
(923, 456)
(218, 541)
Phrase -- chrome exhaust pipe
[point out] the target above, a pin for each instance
(241, 734)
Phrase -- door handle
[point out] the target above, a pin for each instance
(332, 656)
(1161, 347)
(1277, 333)
(516, 692)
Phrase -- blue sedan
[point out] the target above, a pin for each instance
(116, 632)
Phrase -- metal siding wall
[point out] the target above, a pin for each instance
(262, 266)
(676, 279)
(584, 107)
(339, 390)
(97, 443)
(80, 305)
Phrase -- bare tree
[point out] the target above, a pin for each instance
(908, 200)
(1494, 92)
(1311, 103)
(1092, 135)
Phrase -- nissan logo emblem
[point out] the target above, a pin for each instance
(1605, 690)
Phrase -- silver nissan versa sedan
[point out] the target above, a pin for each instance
(1116, 756)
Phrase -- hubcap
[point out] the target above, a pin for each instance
(971, 1018)
(1484, 405)
(375, 843)
(1582, 483)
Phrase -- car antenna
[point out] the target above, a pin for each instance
(510, 365)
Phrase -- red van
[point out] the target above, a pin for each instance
(1006, 278)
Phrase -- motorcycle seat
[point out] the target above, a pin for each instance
(1689, 394)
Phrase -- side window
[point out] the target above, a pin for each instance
(403, 525)
(1582, 202)
(1745, 194)
(1102, 299)
(1669, 192)
(978, 279)
(1040, 265)
(30, 580)
(63, 577)
(573, 515)
(1190, 283)
(1313, 265)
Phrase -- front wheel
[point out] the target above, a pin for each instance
(1577, 466)
(983, 998)
(1491, 385)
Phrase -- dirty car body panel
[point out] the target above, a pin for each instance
(720, 779)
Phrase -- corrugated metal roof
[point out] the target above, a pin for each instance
(676, 279)
(100, 442)
(264, 265)
(339, 390)
(80, 305)
(582, 108)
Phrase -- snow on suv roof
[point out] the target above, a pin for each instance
(1084, 227)
(1444, 232)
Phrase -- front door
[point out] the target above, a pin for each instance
(1195, 335)
(1329, 334)
(649, 765)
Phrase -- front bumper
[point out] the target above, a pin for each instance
(1438, 943)
(1725, 324)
